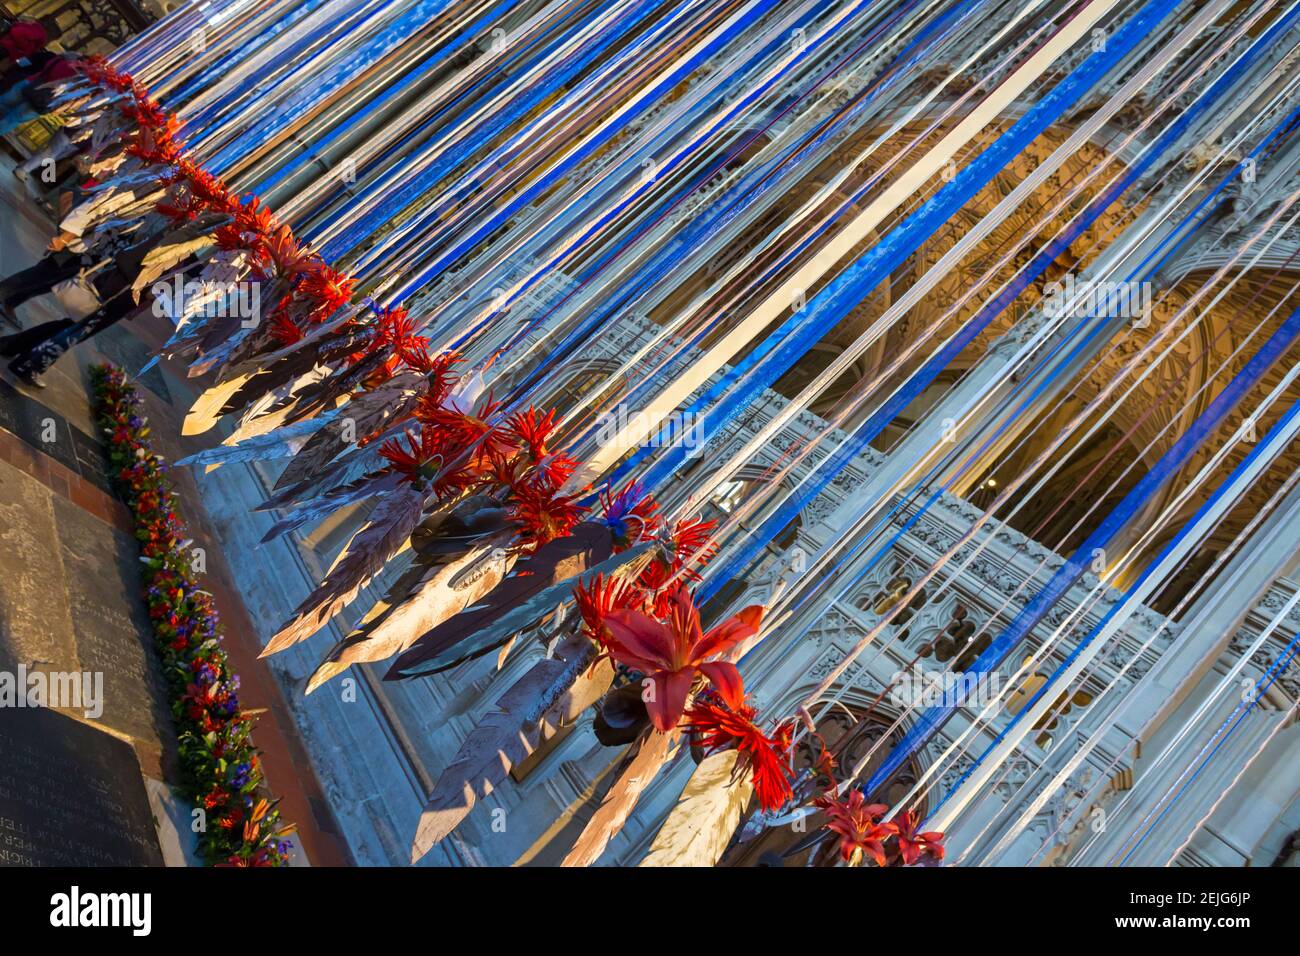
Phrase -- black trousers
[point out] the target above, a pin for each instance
(41, 346)
(39, 279)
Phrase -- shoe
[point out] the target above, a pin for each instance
(30, 379)
(7, 314)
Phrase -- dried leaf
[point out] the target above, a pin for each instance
(364, 415)
(424, 598)
(206, 410)
(700, 826)
(639, 767)
(386, 533)
(163, 258)
(553, 694)
(533, 589)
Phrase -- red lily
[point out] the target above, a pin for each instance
(672, 654)
(856, 822)
(912, 845)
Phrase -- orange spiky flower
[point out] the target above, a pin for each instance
(283, 331)
(540, 512)
(715, 726)
(602, 595)
(532, 432)
(327, 289)
(428, 458)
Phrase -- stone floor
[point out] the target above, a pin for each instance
(68, 562)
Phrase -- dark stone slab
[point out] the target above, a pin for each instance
(70, 795)
(92, 461)
(34, 422)
(110, 626)
(35, 627)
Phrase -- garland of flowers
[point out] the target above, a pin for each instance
(221, 769)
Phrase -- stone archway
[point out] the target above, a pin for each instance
(849, 733)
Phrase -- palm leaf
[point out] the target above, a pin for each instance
(314, 510)
(700, 826)
(276, 444)
(387, 532)
(640, 766)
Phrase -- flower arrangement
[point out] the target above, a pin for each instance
(862, 833)
(221, 768)
(650, 625)
(454, 446)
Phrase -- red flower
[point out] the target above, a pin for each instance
(438, 369)
(672, 654)
(856, 822)
(541, 512)
(290, 258)
(532, 432)
(395, 331)
(466, 431)
(717, 728)
(283, 330)
(690, 545)
(912, 845)
(596, 600)
(425, 456)
(327, 288)
(692, 534)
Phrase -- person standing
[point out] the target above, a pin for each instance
(58, 265)
(30, 98)
(36, 349)
(23, 38)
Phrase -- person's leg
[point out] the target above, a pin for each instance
(37, 280)
(15, 111)
(31, 364)
(20, 342)
(59, 147)
(13, 96)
